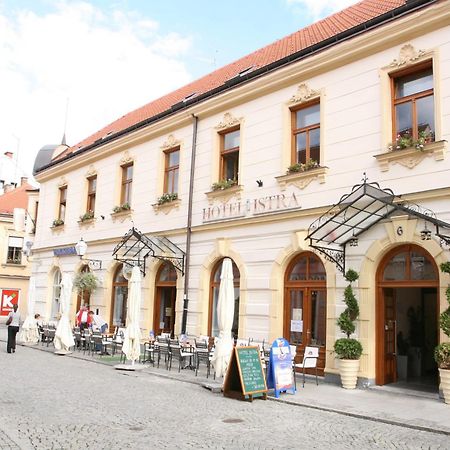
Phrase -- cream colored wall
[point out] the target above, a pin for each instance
(354, 128)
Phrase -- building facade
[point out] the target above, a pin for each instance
(241, 163)
(15, 269)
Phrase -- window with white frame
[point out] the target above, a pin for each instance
(15, 245)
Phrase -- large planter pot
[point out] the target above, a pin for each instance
(349, 368)
(445, 384)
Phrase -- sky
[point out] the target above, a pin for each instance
(70, 66)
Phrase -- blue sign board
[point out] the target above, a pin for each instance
(280, 376)
(64, 251)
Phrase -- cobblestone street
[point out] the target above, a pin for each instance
(53, 402)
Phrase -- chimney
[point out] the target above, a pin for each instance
(9, 154)
(23, 180)
(9, 187)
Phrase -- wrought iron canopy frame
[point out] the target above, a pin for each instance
(135, 248)
(356, 212)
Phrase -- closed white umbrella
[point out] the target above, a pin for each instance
(225, 316)
(63, 335)
(132, 336)
(29, 333)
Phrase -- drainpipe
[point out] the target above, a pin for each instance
(189, 225)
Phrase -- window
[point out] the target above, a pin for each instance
(119, 300)
(214, 298)
(56, 293)
(306, 134)
(413, 104)
(62, 203)
(172, 165)
(127, 184)
(229, 155)
(92, 191)
(15, 245)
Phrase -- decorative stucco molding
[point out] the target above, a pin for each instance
(166, 207)
(411, 157)
(62, 182)
(91, 171)
(304, 93)
(224, 195)
(228, 121)
(407, 55)
(121, 216)
(302, 179)
(126, 158)
(171, 142)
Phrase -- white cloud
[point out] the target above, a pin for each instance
(318, 9)
(106, 63)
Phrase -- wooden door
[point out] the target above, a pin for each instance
(164, 317)
(390, 336)
(305, 321)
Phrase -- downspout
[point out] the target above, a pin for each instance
(189, 225)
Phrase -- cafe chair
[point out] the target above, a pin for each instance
(310, 358)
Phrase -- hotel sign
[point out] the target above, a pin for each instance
(251, 207)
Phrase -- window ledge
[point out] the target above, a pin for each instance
(57, 228)
(19, 266)
(167, 207)
(87, 222)
(121, 215)
(224, 194)
(410, 157)
(302, 179)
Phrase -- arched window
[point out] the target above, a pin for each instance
(84, 297)
(56, 293)
(119, 299)
(213, 328)
(165, 299)
(305, 304)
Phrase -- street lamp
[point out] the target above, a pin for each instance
(81, 249)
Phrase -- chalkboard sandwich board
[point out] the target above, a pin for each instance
(245, 377)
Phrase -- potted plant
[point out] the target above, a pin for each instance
(123, 207)
(58, 222)
(88, 215)
(85, 282)
(442, 351)
(223, 184)
(300, 167)
(349, 350)
(167, 198)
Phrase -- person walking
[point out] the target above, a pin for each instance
(13, 323)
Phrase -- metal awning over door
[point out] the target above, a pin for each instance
(366, 205)
(135, 248)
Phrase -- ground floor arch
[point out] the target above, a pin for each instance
(407, 312)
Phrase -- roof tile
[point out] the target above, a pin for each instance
(305, 37)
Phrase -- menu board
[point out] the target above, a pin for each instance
(245, 375)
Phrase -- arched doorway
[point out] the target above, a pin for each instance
(165, 299)
(305, 305)
(407, 318)
(85, 296)
(119, 300)
(213, 327)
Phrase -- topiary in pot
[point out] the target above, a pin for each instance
(349, 350)
(442, 351)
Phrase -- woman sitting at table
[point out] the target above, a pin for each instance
(97, 322)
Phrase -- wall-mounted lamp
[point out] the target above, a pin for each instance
(81, 249)
(425, 234)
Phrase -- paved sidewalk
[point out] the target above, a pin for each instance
(380, 403)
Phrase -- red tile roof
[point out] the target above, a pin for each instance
(317, 32)
(17, 198)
